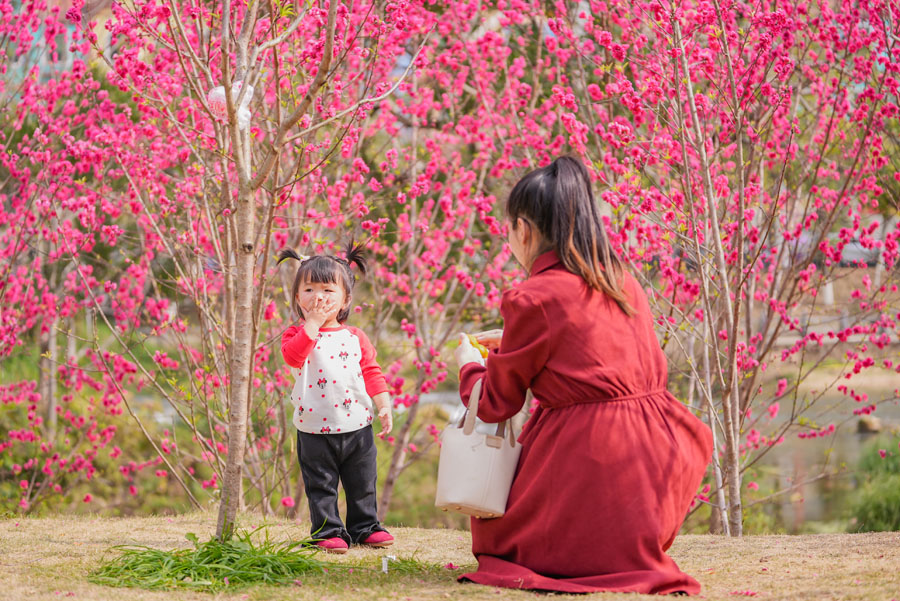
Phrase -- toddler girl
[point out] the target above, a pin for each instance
(337, 388)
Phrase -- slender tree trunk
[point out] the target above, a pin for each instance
(89, 324)
(879, 266)
(398, 458)
(71, 338)
(692, 381)
(719, 519)
(730, 398)
(735, 504)
(257, 474)
(398, 461)
(240, 365)
(47, 382)
(716, 524)
(298, 496)
(245, 252)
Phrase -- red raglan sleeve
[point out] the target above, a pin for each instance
(296, 345)
(371, 371)
(510, 370)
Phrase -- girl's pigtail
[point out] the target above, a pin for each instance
(355, 255)
(288, 253)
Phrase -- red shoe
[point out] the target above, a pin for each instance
(379, 538)
(333, 545)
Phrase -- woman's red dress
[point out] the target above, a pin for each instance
(610, 460)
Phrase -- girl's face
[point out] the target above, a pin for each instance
(323, 294)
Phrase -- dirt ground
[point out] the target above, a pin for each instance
(50, 558)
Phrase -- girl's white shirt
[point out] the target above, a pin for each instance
(329, 394)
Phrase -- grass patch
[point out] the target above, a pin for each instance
(412, 566)
(213, 565)
(250, 558)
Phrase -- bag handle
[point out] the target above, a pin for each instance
(467, 423)
(503, 431)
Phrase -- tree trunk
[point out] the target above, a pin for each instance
(71, 339)
(298, 495)
(240, 365)
(47, 383)
(879, 265)
(716, 526)
(730, 397)
(718, 523)
(398, 459)
(730, 404)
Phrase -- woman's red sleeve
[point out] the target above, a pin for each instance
(510, 370)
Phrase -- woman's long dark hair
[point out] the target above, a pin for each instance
(326, 269)
(558, 200)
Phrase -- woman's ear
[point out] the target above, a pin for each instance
(531, 237)
(523, 228)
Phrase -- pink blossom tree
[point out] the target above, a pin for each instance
(742, 145)
(295, 83)
(196, 205)
(739, 148)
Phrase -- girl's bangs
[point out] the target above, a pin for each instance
(319, 270)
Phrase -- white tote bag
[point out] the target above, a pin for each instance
(476, 470)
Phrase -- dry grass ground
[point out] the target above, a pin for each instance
(50, 558)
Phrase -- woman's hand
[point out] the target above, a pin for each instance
(489, 339)
(466, 353)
